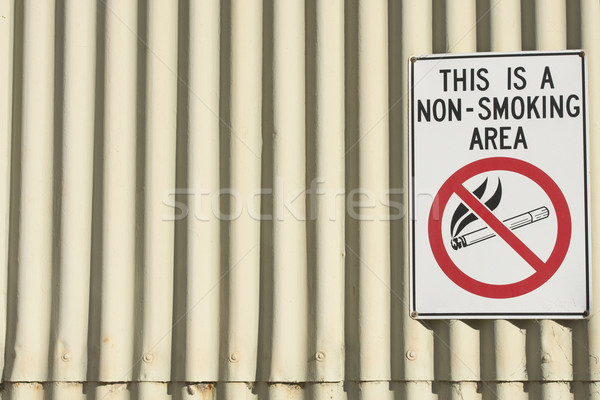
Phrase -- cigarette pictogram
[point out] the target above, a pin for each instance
(512, 223)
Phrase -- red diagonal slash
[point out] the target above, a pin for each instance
(501, 230)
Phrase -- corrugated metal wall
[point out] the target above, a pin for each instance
(142, 141)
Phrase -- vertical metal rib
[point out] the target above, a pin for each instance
(290, 307)
(373, 225)
(328, 300)
(203, 283)
(35, 255)
(119, 195)
(6, 81)
(70, 351)
(245, 157)
(417, 349)
(159, 178)
(590, 41)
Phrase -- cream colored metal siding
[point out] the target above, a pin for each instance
(118, 116)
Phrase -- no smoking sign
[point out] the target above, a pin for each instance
(499, 186)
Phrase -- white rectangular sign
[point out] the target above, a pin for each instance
(498, 185)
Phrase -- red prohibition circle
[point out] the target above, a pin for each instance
(537, 279)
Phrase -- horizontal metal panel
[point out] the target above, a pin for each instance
(315, 391)
(179, 184)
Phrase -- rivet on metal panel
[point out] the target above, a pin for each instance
(320, 356)
(414, 314)
(66, 356)
(411, 354)
(546, 358)
(148, 358)
(233, 357)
